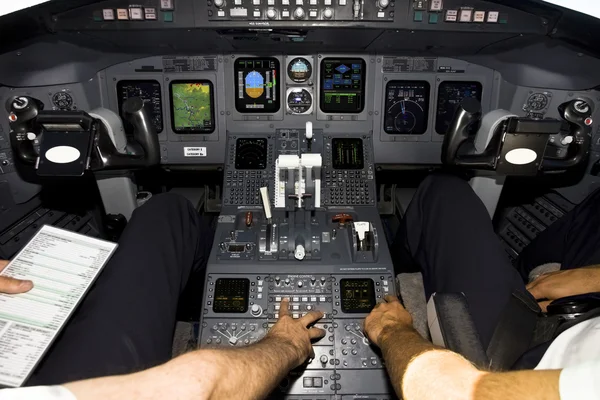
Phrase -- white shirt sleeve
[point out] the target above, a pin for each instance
(580, 381)
(37, 393)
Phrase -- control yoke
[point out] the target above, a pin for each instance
(511, 145)
(68, 143)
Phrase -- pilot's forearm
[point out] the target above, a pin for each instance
(245, 373)
(420, 370)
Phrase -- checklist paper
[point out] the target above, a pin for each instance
(62, 265)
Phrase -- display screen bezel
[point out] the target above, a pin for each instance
(354, 310)
(216, 301)
(322, 91)
(439, 120)
(120, 84)
(195, 130)
(240, 103)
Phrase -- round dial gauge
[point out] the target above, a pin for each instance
(299, 101)
(299, 70)
(62, 100)
(537, 102)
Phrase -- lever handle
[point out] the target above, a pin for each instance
(136, 112)
(468, 112)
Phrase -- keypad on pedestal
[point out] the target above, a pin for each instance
(243, 187)
(347, 188)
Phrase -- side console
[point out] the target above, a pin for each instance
(299, 220)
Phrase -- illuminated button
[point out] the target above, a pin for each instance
(322, 299)
(108, 14)
(493, 16)
(237, 2)
(451, 15)
(385, 283)
(418, 16)
(327, 2)
(433, 18)
(260, 289)
(277, 307)
(276, 315)
(305, 299)
(285, 14)
(342, 2)
(309, 307)
(318, 382)
(296, 307)
(313, 2)
(285, 2)
(168, 16)
(313, 299)
(136, 14)
(295, 298)
(257, 14)
(312, 14)
(122, 14)
(436, 5)
(479, 16)
(260, 283)
(166, 4)
(258, 296)
(238, 12)
(381, 14)
(150, 14)
(296, 315)
(277, 298)
(386, 289)
(299, 2)
(307, 382)
(466, 15)
(256, 2)
(271, 2)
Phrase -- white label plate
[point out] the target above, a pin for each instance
(194, 151)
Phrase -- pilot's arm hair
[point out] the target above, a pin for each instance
(243, 373)
(420, 370)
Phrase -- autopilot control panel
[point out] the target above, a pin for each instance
(299, 221)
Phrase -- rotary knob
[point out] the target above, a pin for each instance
(219, 3)
(271, 13)
(256, 310)
(328, 13)
(300, 283)
(299, 13)
(323, 359)
(581, 107)
(383, 3)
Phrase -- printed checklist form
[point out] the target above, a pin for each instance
(62, 265)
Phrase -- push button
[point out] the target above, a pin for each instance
(307, 382)
(318, 382)
(418, 16)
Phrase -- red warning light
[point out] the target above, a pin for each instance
(12, 117)
(589, 121)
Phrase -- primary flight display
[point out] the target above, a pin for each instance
(257, 85)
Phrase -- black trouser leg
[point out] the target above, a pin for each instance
(127, 321)
(573, 241)
(448, 233)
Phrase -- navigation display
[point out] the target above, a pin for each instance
(347, 153)
(231, 295)
(406, 107)
(257, 85)
(251, 153)
(192, 109)
(150, 92)
(342, 85)
(450, 94)
(358, 295)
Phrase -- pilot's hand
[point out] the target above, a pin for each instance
(559, 284)
(12, 285)
(385, 318)
(297, 333)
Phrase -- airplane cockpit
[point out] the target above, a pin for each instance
(302, 129)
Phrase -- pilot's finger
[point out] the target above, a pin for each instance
(311, 318)
(14, 286)
(316, 333)
(544, 305)
(284, 309)
(391, 299)
(3, 264)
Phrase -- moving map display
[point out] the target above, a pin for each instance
(257, 85)
(192, 108)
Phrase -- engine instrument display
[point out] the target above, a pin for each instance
(149, 91)
(299, 70)
(406, 107)
(450, 95)
(342, 85)
(251, 153)
(347, 153)
(299, 101)
(358, 295)
(231, 295)
(257, 85)
(192, 109)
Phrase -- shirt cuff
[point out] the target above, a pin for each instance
(38, 393)
(580, 382)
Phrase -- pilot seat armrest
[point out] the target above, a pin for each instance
(452, 327)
